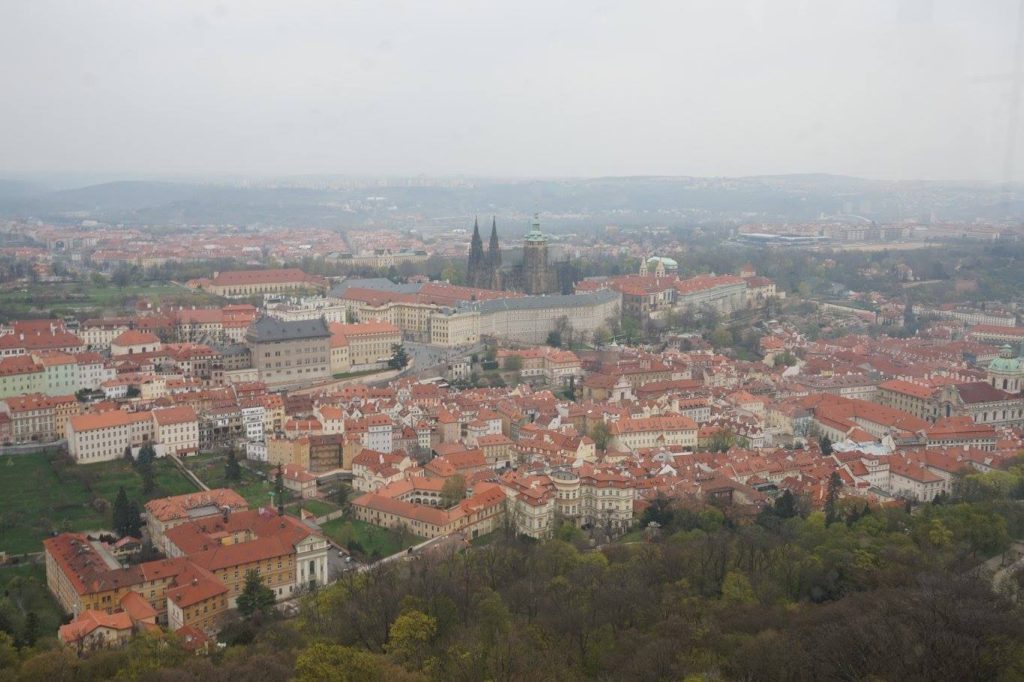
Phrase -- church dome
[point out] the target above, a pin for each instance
(1005, 363)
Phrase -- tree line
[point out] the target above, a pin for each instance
(702, 592)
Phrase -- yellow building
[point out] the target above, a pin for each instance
(370, 344)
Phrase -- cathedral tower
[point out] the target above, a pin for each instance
(537, 277)
(476, 267)
(494, 258)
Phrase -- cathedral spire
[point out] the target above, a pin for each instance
(492, 277)
(475, 268)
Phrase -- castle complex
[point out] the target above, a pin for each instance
(536, 275)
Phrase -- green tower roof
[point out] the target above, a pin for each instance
(535, 235)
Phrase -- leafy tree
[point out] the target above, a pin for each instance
(147, 453)
(409, 638)
(322, 662)
(554, 339)
(721, 338)
(453, 491)
(148, 480)
(134, 526)
(279, 489)
(256, 598)
(513, 363)
(399, 358)
(825, 445)
(630, 330)
(601, 434)
(570, 391)
(30, 633)
(909, 319)
(232, 470)
(736, 589)
(721, 440)
(342, 494)
(567, 531)
(121, 512)
(785, 359)
(659, 511)
(8, 652)
(785, 505)
(832, 498)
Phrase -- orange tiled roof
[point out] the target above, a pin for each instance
(177, 507)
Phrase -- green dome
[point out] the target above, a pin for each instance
(1006, 365)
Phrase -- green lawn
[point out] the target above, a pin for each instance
(210, 468)
(317, 507)
(46, 492)
(23, 590)
(43, 298)
(376, 541)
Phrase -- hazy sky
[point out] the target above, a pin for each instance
(886, 89)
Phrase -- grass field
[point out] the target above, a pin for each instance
(68, 298)
(317, 507)
(23, 590)
(46, 492)
(375, 541)
(255, 489)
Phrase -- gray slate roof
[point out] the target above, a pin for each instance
(376, 283)
(540, 302)
(268, 329)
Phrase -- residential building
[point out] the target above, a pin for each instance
(167, 512)
(177, 429)
(647, 432)
(290, 353)
(242, 283)
(108, 435)
(370, 344)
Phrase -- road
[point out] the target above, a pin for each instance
(1000, 573)
(30, 448)
(336, 565)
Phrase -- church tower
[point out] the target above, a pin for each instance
(536, 274)
(494, 258)
(476, 266)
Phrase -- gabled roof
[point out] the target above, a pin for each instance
(980, 392)
(134, 337)
(276, 276)
(270, 329)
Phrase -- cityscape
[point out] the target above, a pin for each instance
(297, 400)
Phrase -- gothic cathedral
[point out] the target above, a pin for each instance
(534, 276)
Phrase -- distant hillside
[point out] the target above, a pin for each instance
(17, 190)
(570, 203)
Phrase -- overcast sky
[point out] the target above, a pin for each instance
(886, 89)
